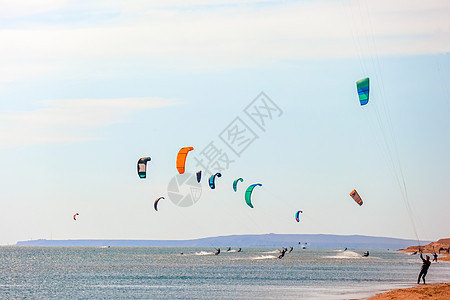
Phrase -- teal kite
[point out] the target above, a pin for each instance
(212, 180)
(363, 90)
(248, 194)
(236, 182)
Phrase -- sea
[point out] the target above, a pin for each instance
(197, 273)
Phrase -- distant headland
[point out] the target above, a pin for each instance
(441, 247)
(254, 240)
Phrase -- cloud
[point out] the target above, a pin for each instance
(19, 71)
(192, 34)
(21, 8)
(60, 121)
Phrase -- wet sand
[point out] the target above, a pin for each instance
(444, 258)
(439, 291)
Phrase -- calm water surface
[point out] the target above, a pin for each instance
(254, 273)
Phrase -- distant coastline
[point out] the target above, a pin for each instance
(255, 240)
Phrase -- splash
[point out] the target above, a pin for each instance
(204, 253)
(264, 257)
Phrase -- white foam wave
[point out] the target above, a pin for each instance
(204, 253)
(264, 257)
(346, 255)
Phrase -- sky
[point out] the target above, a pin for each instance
(263, 90)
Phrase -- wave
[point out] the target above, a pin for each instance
(272, 252)
(204, 253)
(346, 255)
(264, 257)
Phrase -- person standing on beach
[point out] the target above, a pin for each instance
(435, 257)
(425, 265)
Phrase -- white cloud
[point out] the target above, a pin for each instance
(232, 36)
(66, 120)
(19, 71)
(139, 5)
(20, 8)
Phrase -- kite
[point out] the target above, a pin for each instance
(142, 166)
(297, 215)
(248, 194)
(354, 194)
(212, 180)
(181, 158)
(363, 90)
(236, 182)
(155, 205)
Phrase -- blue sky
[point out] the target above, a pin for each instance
(88, 87)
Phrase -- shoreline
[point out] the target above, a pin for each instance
(439, 291)
(431, 248)
(441, 257)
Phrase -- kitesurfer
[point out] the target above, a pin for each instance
(239, 250)
(366, 254)
(282, 253)
(290, 250)
(229, 248)
(435, 257)
(217, 251)
(345, 249)
(425, 265)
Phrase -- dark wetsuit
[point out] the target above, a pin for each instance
(434, 257)
(217, 251)
(425, 265)
(282, 253)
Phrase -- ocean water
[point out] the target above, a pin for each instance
(163, 273)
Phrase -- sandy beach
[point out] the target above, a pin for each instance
(426, 291)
